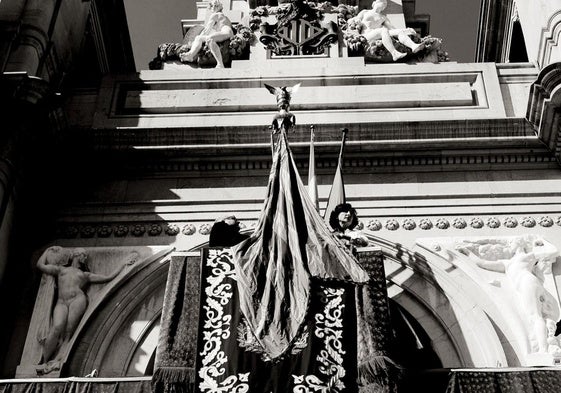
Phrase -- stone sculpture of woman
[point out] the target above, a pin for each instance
(374, 25)
(524, 260)
(71, 277)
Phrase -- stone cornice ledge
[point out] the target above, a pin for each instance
(204, 99)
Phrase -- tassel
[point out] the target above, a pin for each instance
(173, 380)
(378, 374)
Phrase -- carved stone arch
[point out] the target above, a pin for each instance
(544, 107)
(431, 290)
(549, 40)
(122, 332)
(115, 337)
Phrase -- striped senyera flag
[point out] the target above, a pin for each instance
(290, 245)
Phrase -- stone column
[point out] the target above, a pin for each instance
(25, 110)
(46, 35)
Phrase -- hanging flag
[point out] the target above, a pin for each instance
(337, 193)
(290, 246)
(312, 181)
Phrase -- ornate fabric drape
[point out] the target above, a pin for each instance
(323, 357)
(290, 246)
(174, 370)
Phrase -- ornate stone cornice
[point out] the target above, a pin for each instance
(360, 157)
(459, 222)
(164, 229)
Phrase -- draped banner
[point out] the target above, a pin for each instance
(322, 359)
(174, 370)
(290, 247)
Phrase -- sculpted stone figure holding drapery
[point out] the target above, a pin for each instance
(374, 25)
(524, 260)
(70, 277)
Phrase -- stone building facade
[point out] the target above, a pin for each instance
(449, 165)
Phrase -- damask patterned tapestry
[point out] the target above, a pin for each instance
(323, 357)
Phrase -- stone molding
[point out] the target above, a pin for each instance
(458, 161)
(427, 288)
(549, 40)
(544, 107)
(374, 224)
(494, 30)
(390, 93)
(464, 222)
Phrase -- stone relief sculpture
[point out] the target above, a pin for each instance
(524, 260)
(374, 25)
(553, 342)
(68, 277)
(300, 28)
(217, 29)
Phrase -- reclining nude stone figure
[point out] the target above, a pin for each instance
(524, 260)
(374, 25)
(217, 29)
(71, 278)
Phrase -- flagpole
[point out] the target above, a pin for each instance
(312, 180)
(344, 131)
(337, 193)
(272, 142)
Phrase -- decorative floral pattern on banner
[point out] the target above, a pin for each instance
(322, 358)
(329, 328)
(217, 328)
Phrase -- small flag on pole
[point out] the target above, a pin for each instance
(312, 181)
(337, 193)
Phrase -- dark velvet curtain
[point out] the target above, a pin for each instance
(323, 358)
(177, 345)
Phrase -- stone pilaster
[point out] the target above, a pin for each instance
(27, 109)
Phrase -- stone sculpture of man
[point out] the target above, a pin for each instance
(72, 277)
(374, 25)
(524, 261)
(218, 28)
